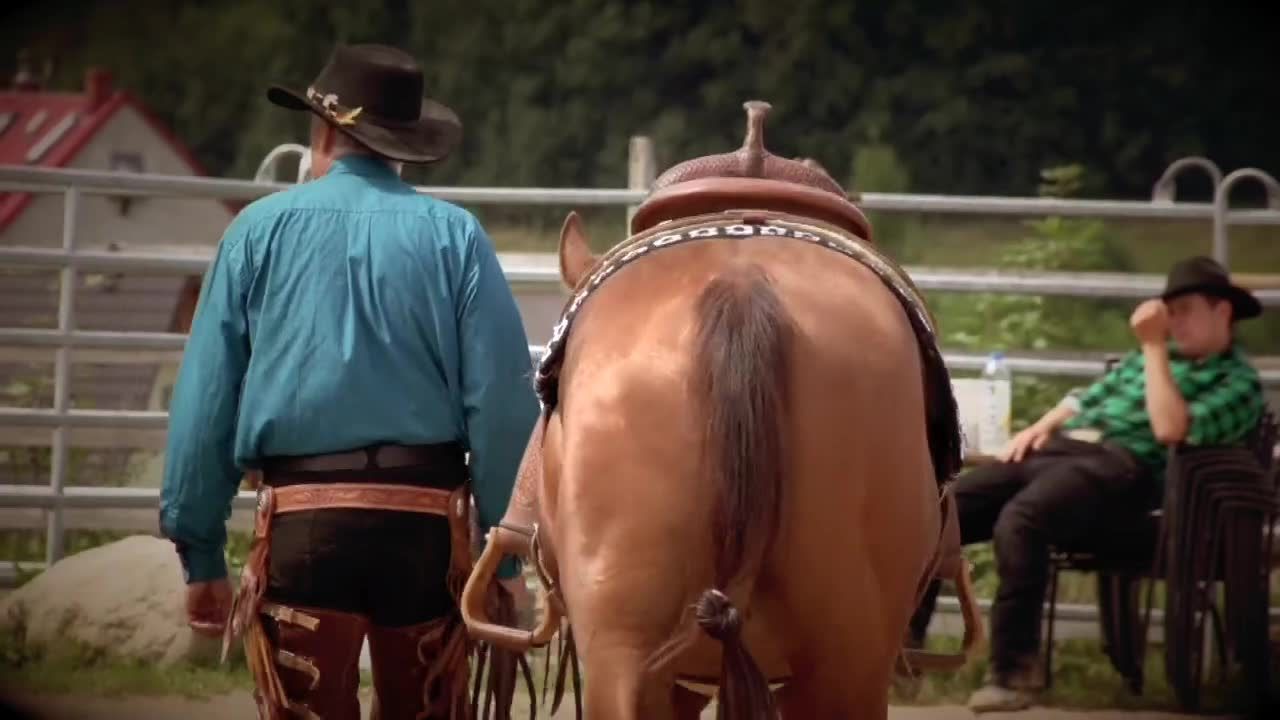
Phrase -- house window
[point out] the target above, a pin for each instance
(126, 161)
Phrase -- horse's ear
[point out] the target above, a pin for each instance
(576, 259)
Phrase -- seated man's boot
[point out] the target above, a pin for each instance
(316, 655)
(1008, 692)
(420, 671)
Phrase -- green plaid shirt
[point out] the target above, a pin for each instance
(1223, 394)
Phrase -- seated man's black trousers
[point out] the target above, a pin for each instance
(1066, 494)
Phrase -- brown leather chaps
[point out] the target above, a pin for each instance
(353, 551)
(317, 656)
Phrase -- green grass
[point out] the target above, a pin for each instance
(73, 668)
(1083, 679)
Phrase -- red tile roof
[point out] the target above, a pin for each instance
(61, 125)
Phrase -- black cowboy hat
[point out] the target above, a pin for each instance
(374, 94)
(1204, 275)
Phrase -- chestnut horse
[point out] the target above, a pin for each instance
(737, 483)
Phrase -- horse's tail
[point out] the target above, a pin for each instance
(742, 377)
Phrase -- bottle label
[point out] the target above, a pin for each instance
(993, 430)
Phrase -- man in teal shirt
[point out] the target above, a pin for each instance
(350, 330)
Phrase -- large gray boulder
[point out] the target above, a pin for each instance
(125, 599)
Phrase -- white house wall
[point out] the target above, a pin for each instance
(148, 222)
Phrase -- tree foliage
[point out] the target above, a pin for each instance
(973, 97)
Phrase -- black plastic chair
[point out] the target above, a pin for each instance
(1220, 511)
(1187, 546)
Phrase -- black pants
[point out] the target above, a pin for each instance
(388, 566)
(1068, 493)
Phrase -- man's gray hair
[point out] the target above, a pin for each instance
(344, 144)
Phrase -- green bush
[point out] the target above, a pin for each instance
(987, 322)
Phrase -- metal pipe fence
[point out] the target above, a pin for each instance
(1058, 283)
(70, 260)
(93, 182)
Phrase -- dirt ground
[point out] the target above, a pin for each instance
(240, 705)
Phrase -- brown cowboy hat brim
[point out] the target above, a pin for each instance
(436, 133)
(1243, 303)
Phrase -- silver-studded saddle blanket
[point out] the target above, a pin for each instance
(943, 426)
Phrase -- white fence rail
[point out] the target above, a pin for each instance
(71, 260)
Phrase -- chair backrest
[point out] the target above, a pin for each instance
(1262, 440)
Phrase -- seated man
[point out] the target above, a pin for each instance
(1103, 452)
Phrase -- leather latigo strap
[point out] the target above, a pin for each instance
(361, 496)
(950, 555)
(948, 564)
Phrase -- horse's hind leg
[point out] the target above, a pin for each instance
(688, 704)
(616, 688)
(832, 688)
(618, 626)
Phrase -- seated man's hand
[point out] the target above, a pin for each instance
(1032, 438)
(1150, 322)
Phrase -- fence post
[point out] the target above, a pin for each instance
(1165, 190)
(642, 169)
(1221, 245)
(55, 539)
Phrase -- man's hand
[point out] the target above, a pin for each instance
(1150, 322)
(208, 604)
(1032, 438)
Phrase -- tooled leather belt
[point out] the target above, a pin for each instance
(355, 496)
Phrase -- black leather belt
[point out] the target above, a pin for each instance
(370, 458)
(1089, 436)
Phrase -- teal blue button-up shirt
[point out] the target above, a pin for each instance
(347, 311)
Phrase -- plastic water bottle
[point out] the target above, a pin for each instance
(997, 390)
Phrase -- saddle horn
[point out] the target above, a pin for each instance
(753, 152)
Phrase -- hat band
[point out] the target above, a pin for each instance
(346, 116)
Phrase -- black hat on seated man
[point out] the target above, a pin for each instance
(1204, 275)
(374, 94)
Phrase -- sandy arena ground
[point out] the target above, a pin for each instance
(240, 705)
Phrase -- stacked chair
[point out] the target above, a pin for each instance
(1213, 535)
(1220, 509)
